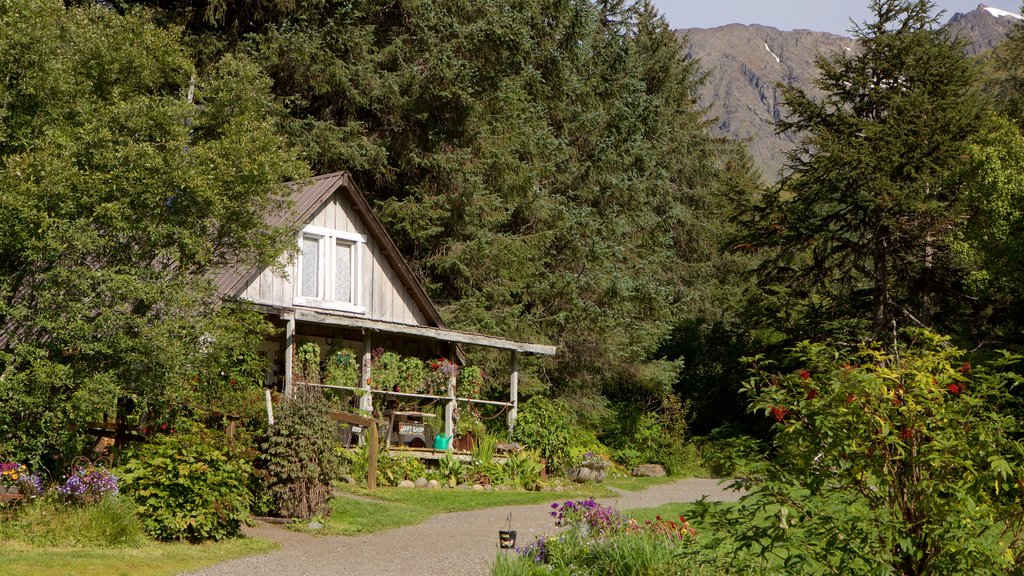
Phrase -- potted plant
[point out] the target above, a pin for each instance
(468, 429)
(592, 467)
(16, 483)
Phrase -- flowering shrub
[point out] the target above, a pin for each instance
(598, 537)
(88, 484)
(587, 516)
(888, 458)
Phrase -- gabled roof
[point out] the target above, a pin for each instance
(308, 197)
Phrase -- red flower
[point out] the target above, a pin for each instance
(953, 389)
(805, 375)
(850, 398)
(779, 413)
(966, 368)
(907, 433)
(812, 394)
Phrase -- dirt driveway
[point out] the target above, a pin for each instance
(456, 544)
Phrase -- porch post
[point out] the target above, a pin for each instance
(366, 400)
(449, 408)
(289, 345)
(513, 392)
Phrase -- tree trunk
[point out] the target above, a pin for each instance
(880, 255)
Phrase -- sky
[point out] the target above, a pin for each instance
(819, 15)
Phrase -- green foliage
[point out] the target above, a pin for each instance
(470, 383)
(307, 362)
(492, 136)
(393, 470)
(188, 486)
(301, 456)
(899, 461)
(547, 427)
(127, 180)
(451, 470)
(343, 367)
(110, 522)
(522, 469)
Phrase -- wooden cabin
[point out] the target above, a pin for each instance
(347, 285)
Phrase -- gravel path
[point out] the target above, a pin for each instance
(455, 544)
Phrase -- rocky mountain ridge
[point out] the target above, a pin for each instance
(746, 63)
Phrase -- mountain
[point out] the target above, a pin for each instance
(745, 64)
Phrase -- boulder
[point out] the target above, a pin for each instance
(315, 525)
(421, 482)
(649, 470)
(406, 484)
(433, 484)
(478, 487)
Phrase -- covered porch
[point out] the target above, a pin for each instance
(365, 334)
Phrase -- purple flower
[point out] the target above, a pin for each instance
(88, 483)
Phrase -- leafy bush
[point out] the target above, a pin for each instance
(343, 367)
(725, 454)
(451, 470)
(546, 426)
(108, 522)
(898, 461)
(391, 471)
(188, 486)
(302, 461)
(522, 469)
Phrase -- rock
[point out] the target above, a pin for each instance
(348, 479)
(478, 487)
(406, 484)
(315, 525)
(649, 470)
(462, 487)
(433, 484)
(421, 482)
(488, 488)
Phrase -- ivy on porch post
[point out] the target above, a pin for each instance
(449, 408)
(366, 400)
(289, 350)
(513, 392)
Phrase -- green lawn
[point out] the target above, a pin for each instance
(387, 508)
(637, 483)
(152, 559)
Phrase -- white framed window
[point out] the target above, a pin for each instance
(327, 270)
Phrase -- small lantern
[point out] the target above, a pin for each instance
(507, 538)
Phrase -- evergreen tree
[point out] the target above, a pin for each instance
(860, 227)
(542, 163)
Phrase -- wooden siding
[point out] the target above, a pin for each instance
(383, 295)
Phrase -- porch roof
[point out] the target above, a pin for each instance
(328, 318)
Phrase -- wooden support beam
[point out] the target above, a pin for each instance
(513, 392)
(366, 400)
(449, 408)
(289, 349)
(371, 459)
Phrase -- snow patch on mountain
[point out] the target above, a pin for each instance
(1002, 13)
(772, 53)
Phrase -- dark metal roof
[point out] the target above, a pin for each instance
(310, 195)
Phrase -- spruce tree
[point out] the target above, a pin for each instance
(859, 228)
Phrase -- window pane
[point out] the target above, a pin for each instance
(310, 266)
(343, 272)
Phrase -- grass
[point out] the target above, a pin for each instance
(151, 559)
(637, 483)
(388, 508)
(49, 538)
